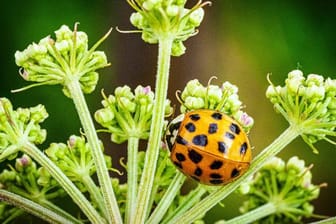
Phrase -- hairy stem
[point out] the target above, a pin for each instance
(167, 199)
(64, 181)
(215, 197)
(49, 205)
(161, 88)
(255, 214)
(95, 193)
(132, 177)
(33, 208)
(112, 209)
(193, 197)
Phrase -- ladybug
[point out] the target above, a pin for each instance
(208, 146)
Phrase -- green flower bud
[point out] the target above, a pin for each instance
(276, 164)
(136, 19)
(128, 114)
(63, 47)
(223, 98)
(158, 19)
(173, 10)
(178, 48)
(294, 163)
(104, 116)
(193, 88)
(308, 104)
(196, 17)
(52, 61)
(44, 178)
(18, 127)
(288, 186)
(21, 163)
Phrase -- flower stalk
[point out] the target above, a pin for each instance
(92, 137)
(161, 89)
(132, 177)
(253, 215)
(35, 208)
(167, 199)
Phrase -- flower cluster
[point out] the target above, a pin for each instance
(17, 127)
(127, 114)
(223, 98)
(308, 103)
(30, 181)
(288, 186)
(62, 60)
(161, 18)
(75, 159)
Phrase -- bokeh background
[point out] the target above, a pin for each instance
(239, 41)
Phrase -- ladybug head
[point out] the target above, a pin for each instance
(172, 131)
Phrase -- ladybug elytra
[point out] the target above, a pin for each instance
(208, 146)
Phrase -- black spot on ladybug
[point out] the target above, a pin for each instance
(213, 127)
(234, 173)
(179, 165)
(195, 178)
(215, 165)
(190, 127)
(200, 140)
(215, 175)
(194, 156)
(222, 147)
(180, 157)
(216, 181)
(194, 117)
(235, 128)
(229, 135)
(181, 140)
(243, 148)
(198, 172)
(217, 116)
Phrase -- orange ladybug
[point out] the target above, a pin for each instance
(208, 146)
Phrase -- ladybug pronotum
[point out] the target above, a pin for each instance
(208, 146)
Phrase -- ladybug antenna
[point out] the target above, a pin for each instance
(207, 90)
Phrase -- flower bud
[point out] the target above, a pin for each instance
(173, 10)
(23, 162)
(104, 116)
(313, 79)
(136, 19)
(244, 119)
(63, 33)
(294, 163)
(178, 48)
(196, 17)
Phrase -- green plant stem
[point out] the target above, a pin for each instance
(157, 181)
(215, 197)
(105, 183)
(192, 198)
(49, 205)
(64, 181)
(331, 220)
(161, 88)
(132, 177)
(253, 215)
(167, 199)
(32, 208)
(94, 192)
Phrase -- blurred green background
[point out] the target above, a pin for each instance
(239, 41)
